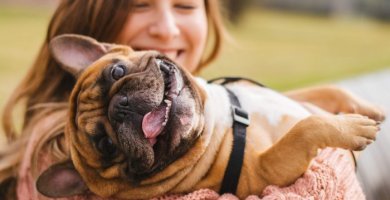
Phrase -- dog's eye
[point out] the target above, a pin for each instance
(117, 71)
(106, 146)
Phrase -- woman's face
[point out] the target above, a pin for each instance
(177, 28)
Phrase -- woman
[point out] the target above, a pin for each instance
(181, 29)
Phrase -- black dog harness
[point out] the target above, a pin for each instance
(240, 122)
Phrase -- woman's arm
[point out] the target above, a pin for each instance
(336, 100)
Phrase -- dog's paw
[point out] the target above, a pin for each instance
(372, 112)
(362, 107)
(356, 131)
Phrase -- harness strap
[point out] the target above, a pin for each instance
(236, 159)
(231, 79)
(240, 122)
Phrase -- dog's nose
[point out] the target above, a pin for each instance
(123, 101)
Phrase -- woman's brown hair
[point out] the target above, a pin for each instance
(47, 85)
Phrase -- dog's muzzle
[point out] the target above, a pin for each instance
(153, 122)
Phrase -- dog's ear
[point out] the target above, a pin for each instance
(61, 180)
(76, 52)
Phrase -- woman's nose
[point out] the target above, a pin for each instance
(164, 26)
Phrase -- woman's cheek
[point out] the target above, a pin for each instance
(195, 31)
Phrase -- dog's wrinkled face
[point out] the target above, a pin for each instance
(138, 113)
(131, 115)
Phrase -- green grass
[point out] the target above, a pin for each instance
(289, 50)
(22, 32)
(282, 50)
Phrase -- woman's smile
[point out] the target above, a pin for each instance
(175, 28)
(171, 53)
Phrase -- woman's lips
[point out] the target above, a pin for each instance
(172, 54)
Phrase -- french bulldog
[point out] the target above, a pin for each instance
(141, 126)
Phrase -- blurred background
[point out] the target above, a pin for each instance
(284, 44)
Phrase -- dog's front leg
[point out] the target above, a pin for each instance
(289, 158)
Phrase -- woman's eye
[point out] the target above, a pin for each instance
(118, 71)
(141, 5)
(106, 146)
(185, 6)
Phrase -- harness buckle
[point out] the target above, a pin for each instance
(240, 115)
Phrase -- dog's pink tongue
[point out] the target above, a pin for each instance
(152, 123)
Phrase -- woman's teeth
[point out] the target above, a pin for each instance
(171, 54)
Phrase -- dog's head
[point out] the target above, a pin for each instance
(131, 115)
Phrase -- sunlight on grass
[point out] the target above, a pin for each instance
(287, 50)
(22, 32)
